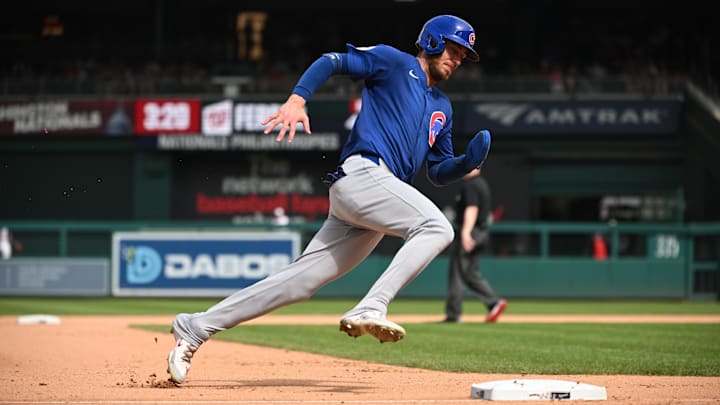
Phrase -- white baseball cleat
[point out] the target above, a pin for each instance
(179, 360)
(374, 323)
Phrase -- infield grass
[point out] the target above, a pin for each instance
(640, 349)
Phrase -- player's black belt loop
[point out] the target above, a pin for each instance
(373, 158)
(332, 177)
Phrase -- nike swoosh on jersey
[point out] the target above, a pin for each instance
(412, 74)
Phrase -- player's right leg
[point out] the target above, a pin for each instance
(371, 196)
(334, 250)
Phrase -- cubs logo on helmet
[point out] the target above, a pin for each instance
(437, 122)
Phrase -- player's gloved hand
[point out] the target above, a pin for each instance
(477, 150)
(450, 170)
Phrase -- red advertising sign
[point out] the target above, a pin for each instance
(250, 187)
(167, 116)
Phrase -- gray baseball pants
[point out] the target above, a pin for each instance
(366, 204)
(464, 273)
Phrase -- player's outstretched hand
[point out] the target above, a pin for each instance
(287, 117)
(477, 150)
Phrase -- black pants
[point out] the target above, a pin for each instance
(465, 273)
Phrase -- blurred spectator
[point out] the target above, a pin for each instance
(636, 48)
(280, 218)
(8, 243)
(553, 72)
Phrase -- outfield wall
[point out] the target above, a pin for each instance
(528, 260)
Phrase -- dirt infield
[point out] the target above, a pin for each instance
(101, 360)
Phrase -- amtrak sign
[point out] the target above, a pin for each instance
(597, 116)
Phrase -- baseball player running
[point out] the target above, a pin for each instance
(404, 122)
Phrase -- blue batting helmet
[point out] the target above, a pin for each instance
(447, 27)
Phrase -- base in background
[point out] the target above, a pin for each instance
(536, 390)
(38, 319)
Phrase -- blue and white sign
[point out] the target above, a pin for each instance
(200, 264)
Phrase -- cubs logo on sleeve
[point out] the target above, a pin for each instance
(437, 122)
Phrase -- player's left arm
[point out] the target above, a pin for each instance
(444, 170)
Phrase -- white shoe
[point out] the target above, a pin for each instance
(179, 360)
(374, 323)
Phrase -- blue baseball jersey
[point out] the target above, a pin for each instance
(402, 120)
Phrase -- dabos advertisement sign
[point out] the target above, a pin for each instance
(201, 264)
